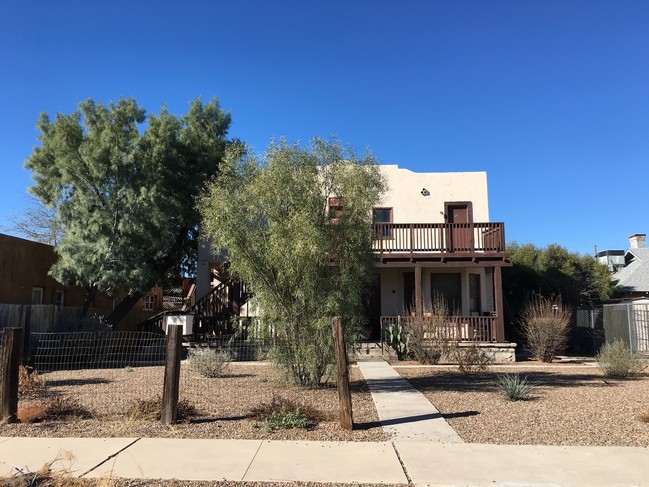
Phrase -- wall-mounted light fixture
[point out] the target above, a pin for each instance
(425, 192)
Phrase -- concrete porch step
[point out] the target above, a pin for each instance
(372, 349)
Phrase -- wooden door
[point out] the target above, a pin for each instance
(460, 232)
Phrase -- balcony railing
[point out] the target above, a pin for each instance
(438, 237)
(460, 328)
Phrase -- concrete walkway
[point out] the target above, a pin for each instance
(404, 412)
(420, 462)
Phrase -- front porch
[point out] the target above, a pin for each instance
(462, 331)
(459, 328)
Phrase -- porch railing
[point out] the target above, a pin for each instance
(438, 237)
(461, 328)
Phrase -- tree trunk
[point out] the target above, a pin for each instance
(90, 297)
(122, 309)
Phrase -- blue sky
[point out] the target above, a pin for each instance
(551, 98)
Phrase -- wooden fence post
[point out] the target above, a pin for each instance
(344, 395)
(10, 343)
(172, 374)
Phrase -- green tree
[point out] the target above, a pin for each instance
(554, 271)
(270, 212)
(124, 186)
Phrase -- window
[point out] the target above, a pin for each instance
(382, 217)
(37, 295)
(59, 298)
(449, 286)
(335, 210)
(149, 302)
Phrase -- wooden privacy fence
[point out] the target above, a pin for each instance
(43, 318)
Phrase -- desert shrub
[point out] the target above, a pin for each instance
(545, 324)
(51, 409)
(282, 413)
(31, 411)
(513, 387)
(150, 409)
(470, 358)
(431, 337)
(616, 360)
(30, 384)
(61, 407)
(61, 476)
(208, 362)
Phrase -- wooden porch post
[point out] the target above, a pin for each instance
(419, 302)
(498, 302)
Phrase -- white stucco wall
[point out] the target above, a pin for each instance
(410, 206)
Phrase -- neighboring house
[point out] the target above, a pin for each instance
(632, 279)
(24, 267)
(431, 234)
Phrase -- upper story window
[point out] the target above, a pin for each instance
(149, 302)
(335, 209)
(379, 217)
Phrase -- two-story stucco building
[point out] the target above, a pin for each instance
(431, 234)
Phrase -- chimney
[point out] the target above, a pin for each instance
(637, 240)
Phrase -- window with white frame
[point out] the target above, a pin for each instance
(149, 302)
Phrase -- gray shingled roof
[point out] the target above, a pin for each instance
(635, 276)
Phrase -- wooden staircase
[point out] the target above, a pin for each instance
(213, 312)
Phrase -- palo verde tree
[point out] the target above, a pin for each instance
(304, 265)
(124, 186)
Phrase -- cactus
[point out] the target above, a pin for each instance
(398, 339)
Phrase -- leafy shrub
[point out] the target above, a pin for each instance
(470, 358)
(287, 420)
(208, 362)
(545, 323)
(513, 387)
(616, 360)
(282, 413)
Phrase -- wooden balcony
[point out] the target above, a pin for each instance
(459, 328)
(438, 238)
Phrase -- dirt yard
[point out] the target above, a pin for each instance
(223, 405)
(570, 405)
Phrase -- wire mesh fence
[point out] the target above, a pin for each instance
(627, 322)
(216, 360)
(107, 374)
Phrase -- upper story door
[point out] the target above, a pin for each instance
(459, 236)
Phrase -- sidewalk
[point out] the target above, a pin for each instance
(424, 462)
(404, 412)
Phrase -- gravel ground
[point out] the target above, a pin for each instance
(223, 405)
(569, 406)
